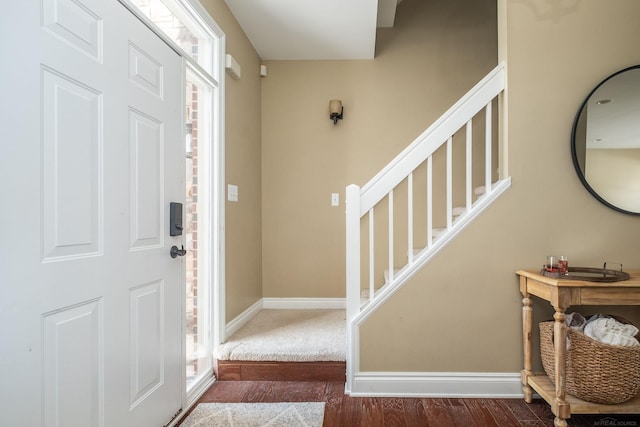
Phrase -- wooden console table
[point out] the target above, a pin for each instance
(562, 294)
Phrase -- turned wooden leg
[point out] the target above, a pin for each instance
(560, 405)
(560, 422)
(527, 320)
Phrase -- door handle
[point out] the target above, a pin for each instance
(175, 252)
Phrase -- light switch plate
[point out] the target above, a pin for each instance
(232, 193)
(335, 199)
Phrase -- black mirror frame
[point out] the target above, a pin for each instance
(574, 156)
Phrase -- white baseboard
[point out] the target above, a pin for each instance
(437, 384)
(283, 304)
(243, 318)
(303, 303)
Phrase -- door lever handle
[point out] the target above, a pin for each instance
(175, 252)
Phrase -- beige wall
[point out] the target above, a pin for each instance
(243, 167)
(468, 318)
(436, 52)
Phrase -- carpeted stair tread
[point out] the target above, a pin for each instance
(288, 336)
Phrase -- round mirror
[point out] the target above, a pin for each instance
(605, 141)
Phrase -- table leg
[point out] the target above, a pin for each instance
(560, 405)
(527, 321)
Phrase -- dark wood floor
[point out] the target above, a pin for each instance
(348, 411)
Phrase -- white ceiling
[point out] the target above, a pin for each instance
(312, 29)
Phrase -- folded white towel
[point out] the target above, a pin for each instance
(610, 331)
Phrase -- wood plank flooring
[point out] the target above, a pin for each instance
(342, 410)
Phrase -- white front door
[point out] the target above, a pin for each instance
(90, 299)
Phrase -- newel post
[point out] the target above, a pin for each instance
(352, 278)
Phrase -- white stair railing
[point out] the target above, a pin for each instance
(361, 203)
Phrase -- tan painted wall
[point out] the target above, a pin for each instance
(434, 54)
(243, 167)
(469, 317)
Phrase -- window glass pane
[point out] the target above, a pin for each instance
(197, 147)
(178, 26)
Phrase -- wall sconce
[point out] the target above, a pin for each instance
(335, 110)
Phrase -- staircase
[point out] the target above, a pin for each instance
(445, 178)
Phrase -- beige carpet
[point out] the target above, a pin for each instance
(298, 414)
(289, 336)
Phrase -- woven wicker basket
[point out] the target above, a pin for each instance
(595, 372)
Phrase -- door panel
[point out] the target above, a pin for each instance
(71, 159)
(145, 71)
(90, 304)
(73, 348)
(147, 196)
(77, 23)
(147, 340)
